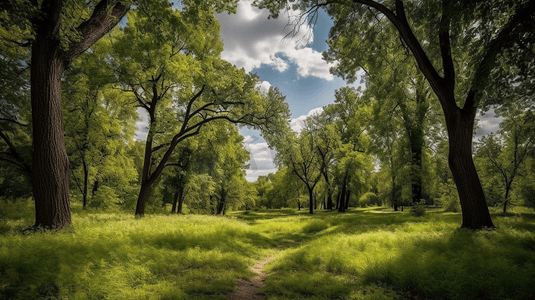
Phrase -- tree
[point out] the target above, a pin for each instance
(179, 79)
(507, 151)
(101, 123)
(476, 31)
(303, 159)
(15, 127)
(56, 39)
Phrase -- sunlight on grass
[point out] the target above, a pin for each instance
(360, 254)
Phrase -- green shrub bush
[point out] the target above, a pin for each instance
(369, 199)
(418, 211)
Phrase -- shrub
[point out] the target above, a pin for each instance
(369, 199)
(418, 211)
(450, 198)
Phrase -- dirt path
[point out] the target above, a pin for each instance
(247, 289)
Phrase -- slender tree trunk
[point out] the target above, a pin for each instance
(347, 199)
(311, 200)
(50, 164)
(475, 212)
(180, 199)
(416, 165)
(86, 179)
(341, 201)
(175, 201)
(506, 197)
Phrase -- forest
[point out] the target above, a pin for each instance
(392, 191)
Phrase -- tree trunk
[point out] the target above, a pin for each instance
(50, 164)
(341, 201)
(180, 200)
(416, 141)
(506, 197)
(175, 201)
(474, 208)
(142, 199)
(347, 199)
(311, 200)
(86, 179)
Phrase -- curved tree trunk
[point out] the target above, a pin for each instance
(473, 204)
(142, 199)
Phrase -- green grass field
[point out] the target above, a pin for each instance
(360, 254)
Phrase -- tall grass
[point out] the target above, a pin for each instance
(361, 254)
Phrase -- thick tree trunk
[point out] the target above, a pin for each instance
(50, 164)
(142, 199)
(341, 201)
(473, 204)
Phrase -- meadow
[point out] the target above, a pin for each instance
(370, 253)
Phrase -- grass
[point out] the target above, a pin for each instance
(360, 254)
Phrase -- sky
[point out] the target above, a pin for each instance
(293, 63)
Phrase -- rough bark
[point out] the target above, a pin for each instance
(50, 164)
(473, 204)
(142, 198)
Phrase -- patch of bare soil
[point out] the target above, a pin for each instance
(247, 289)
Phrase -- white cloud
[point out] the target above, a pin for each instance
(261, 158)
(251, 40)
(298, 123)
(264, 86)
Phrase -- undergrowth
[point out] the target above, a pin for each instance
(360, 254)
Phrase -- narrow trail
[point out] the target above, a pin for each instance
(247, 289)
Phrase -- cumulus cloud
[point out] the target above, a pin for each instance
(252, 40)
(261, 158)
(264, 86)
(298, 123)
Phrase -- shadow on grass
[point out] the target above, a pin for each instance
(361, 255)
